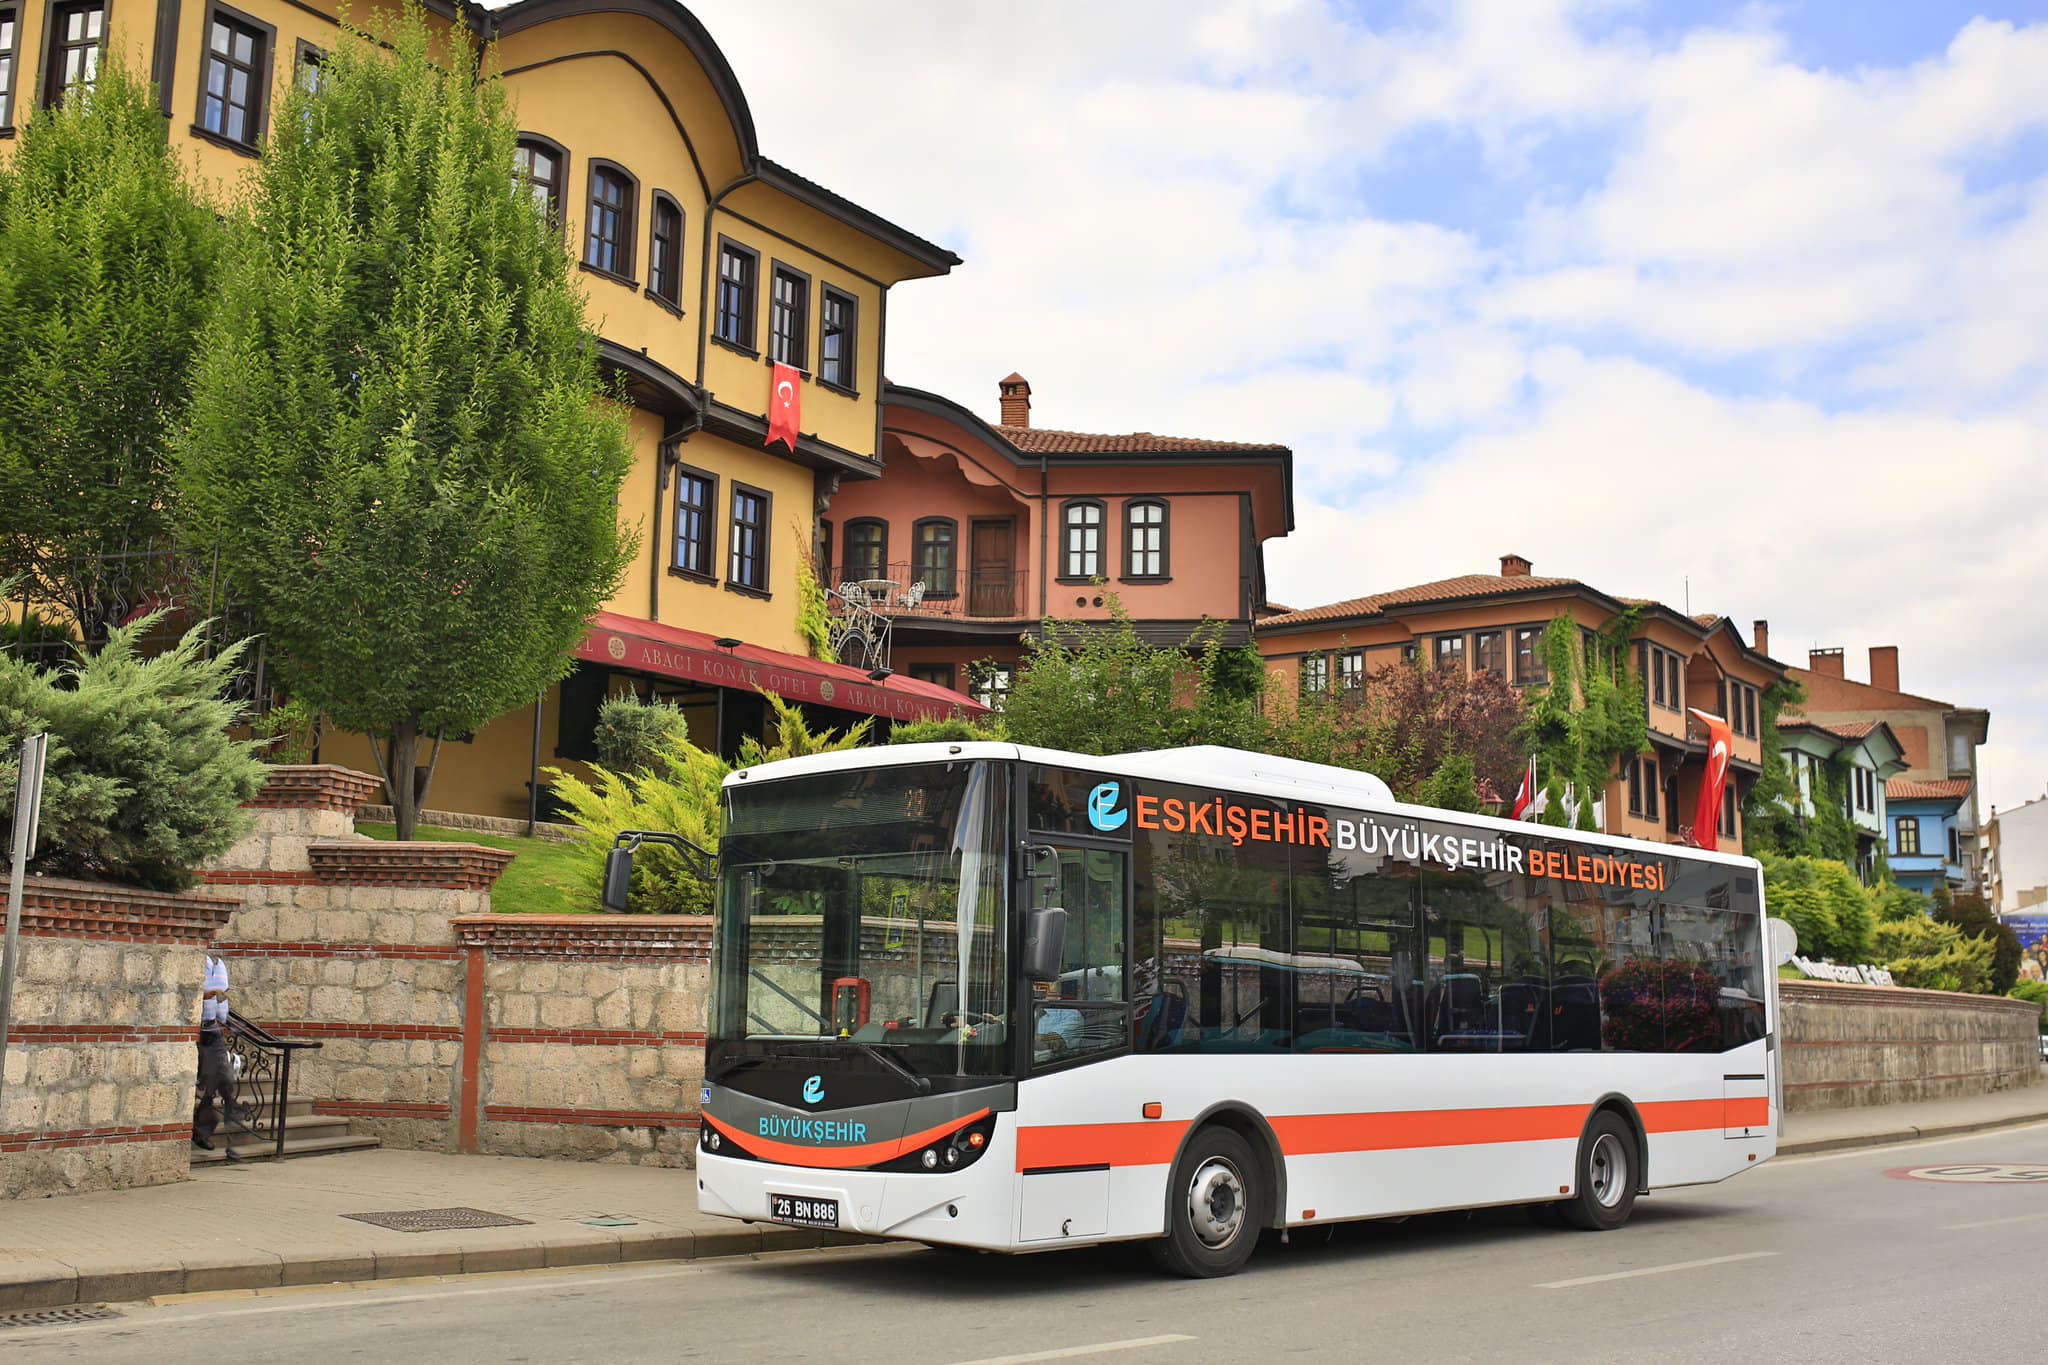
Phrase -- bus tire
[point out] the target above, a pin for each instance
(1215, 1206)
(1610, 1166)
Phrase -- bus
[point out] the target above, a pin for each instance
(987, 996)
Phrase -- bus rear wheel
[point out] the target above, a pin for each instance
(1609, 1171)
(1215, 1206)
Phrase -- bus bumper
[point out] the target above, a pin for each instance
(974, 1207)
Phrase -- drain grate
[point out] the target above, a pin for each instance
(438, 1220)
(56, 1317)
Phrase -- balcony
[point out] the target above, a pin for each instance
(904, 591)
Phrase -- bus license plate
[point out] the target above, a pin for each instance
(803, 1210)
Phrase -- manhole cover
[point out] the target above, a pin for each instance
(437, 1220)
(1973, 1175)
(56, 1317)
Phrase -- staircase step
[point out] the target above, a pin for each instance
(293, 1147)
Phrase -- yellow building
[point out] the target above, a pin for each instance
(703, 263)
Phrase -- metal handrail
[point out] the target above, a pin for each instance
(265, 1073)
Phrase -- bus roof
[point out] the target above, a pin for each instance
(1215, 767)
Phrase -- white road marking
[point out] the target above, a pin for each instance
(1994, 1222)
(1656, 1270)
(1068, 1352)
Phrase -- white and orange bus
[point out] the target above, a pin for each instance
(1015, 999)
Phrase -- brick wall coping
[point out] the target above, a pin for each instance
(383, 862)
(583, 936)
(58, 907)
(1841, 993)
(315, 786)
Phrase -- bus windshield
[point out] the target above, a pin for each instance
(868, 907)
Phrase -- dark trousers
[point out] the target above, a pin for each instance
(216, 1079)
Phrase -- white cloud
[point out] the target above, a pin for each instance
(1809, 301)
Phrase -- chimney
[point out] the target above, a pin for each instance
(1826, 662)
(1762, 632)
(1016, 395)
(1513, 566)
(1884, 667)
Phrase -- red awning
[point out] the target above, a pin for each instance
(692, 656)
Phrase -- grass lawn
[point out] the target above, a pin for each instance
(544, 877)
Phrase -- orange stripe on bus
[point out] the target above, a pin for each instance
(841, 1158)
(1098, 1144)
(1154, 1144)
(1314, 1134)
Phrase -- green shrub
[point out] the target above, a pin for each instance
(144, 784)
(1933, 956)
(1892, 903)
(2037, 992)
(678, 795)
(634, 736)
(285, 733)
(951, 730)
(1850, 904)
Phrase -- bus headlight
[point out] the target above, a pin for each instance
(930, 1158)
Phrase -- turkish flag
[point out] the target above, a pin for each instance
(1706, 817)
(1527, 792)
(785, 404)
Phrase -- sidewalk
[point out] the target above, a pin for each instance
(261, 1225)
(1832, 1129)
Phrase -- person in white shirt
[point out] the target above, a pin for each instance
(216, 1073)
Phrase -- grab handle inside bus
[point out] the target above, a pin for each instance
(1045, 943)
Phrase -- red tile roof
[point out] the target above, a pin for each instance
(1044, 441)
(1853, 729)
(1443, 590)
(1911, 789)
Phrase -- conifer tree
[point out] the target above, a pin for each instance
(400, 442)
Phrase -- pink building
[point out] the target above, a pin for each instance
(976, 531)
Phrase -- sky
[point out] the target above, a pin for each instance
(1743, 307)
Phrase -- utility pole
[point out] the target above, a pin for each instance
(28, 803)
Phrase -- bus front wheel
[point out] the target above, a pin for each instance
(1609, 1171)
(1215, 1206)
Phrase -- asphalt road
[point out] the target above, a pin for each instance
(1823, 1258)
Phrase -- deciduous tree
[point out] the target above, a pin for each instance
(399, 441)
(107, 261)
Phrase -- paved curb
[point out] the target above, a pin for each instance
(1908, 1134)
(58, 1283)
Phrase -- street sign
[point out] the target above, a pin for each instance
(1784, 942)
(28, 812)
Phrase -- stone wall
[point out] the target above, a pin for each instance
(1848, 1046)
(345, 941)
(591, 1040)
(102, 1050)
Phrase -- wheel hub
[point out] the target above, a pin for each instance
(1608, 1169)
(1216, 1202)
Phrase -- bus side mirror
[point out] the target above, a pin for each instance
(1045, 943)
(618, 879)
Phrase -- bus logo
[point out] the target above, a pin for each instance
(814, 1090)
(1102, 811)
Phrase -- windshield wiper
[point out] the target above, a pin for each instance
(734, 1067)
(900, 1067)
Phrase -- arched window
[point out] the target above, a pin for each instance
(608, 235)
(867, 550)
(665, 251)
(543, 168)
(1145, 538)
(935, 539)
(1081, 539)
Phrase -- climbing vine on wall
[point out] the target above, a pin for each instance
(811, 620)
(1771, 822)
(1589, 716)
